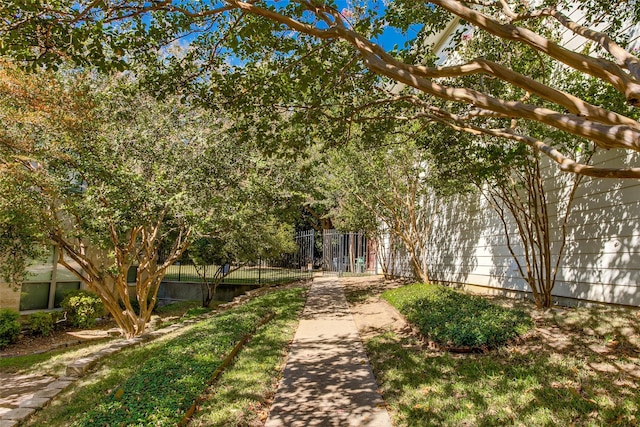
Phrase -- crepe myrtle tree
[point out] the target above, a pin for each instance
(111, 33)
(113, 175)
(532, 203)
(387, 191)
(524, 193)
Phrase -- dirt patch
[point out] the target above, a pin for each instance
(372, 314)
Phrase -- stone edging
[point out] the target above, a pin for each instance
(39, 400)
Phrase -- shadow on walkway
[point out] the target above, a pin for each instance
(327, 380)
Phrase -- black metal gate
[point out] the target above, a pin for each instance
(345, 253)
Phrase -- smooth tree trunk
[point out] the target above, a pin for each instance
(525, 199)
(109, 281)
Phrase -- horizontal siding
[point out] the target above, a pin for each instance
(601, 260)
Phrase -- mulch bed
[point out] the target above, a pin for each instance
(60, 337)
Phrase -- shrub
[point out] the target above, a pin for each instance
(9, 326)
(454, 319)
(40, 323)
(82, 308)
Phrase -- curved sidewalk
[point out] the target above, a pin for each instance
(327, 380)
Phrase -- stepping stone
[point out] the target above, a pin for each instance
(59, 384)
(8, 423)
(79, 367)
(35, 402)
(18, 414)
(48, 393)
(119, 345)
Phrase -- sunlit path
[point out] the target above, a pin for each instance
(327, 379)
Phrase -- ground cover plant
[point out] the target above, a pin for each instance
(157, 383)
(457, 320)
(241, 395)
(578, 367)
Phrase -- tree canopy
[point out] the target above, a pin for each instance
(113, 176)
(320, 63)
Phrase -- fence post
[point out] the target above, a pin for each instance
(259, 270)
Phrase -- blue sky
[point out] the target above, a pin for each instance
(391, 36)
(388, 39)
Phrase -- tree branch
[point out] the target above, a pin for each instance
(597, 67)
(623, 58)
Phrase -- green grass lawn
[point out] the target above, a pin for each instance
(427, 388)
(579, 368)
(241, 396)
(155, 384)
(49, 363)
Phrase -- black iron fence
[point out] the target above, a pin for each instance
(286, 267)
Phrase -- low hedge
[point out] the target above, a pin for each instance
(456, 320)
(163, 387)
(9, 326)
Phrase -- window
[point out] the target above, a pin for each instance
(48, 284)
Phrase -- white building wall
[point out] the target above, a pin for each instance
(601, 261)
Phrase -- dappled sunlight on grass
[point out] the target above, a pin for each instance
(241, 396)
(52, 362)
(433, 388)
(578, 367)
(614, 327)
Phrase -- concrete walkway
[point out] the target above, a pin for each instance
(22, 395)
(327, 380)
